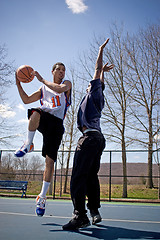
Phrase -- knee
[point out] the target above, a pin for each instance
(49, 163)
(34, 121)
(35, 117)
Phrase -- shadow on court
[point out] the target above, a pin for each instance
(18, 221)
(111, 233)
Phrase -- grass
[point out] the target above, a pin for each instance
(133, 191)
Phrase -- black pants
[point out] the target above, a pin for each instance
(84, 180)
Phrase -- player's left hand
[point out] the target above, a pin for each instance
(39, 77)
(104, 44)
(107, 68)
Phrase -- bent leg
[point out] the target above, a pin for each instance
(34, 121)
(28, 146)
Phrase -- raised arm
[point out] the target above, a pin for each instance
(59, 88)
(25, 98)
(105, 68)
(99, 62)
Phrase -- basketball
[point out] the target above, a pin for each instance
(24, 74)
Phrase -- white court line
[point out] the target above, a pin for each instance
(31, 215)
(103, 205)
(62, 217)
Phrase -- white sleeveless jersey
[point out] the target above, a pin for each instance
(53, 102)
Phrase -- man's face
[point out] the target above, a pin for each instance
(59, 73)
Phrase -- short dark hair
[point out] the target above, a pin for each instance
(58, 63)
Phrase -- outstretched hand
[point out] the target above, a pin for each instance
(104, 44)
(39, 77)
(107, 68)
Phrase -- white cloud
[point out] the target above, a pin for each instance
(137, 157)
(6, 111)
(23, 120)
(21, 107)
(157, 137)
(77, 6)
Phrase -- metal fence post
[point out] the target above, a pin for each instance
(0, 158)
(110, 172)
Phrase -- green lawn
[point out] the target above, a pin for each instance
(133, 191)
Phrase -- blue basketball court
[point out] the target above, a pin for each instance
(120, 221)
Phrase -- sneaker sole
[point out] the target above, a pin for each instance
(75, 228)
(38, 215)
(96, 221)
(85, 225)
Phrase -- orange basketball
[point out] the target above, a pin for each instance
(24, 73)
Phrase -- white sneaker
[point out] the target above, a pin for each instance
(26, 148)
(40, 208)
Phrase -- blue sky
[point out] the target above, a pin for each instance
(42, 32)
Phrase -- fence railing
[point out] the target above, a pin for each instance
(111, 160)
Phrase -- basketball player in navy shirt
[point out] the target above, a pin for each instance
(84, 180)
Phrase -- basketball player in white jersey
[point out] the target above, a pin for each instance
(55, 97)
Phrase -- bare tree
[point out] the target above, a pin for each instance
(6, 80)
(157, 151)
(115, 115)
(117, 98)
(144, 55)
(71, 131)
(22, 165)
(6, 71)
(35, 164)
(7, 167)
(116, 92)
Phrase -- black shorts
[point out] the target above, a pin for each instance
(52, 130)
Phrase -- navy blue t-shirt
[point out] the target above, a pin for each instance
(90, 109)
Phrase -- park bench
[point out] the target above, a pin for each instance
(14, 185)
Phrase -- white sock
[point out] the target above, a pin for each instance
(44, 189)
(30, 137)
